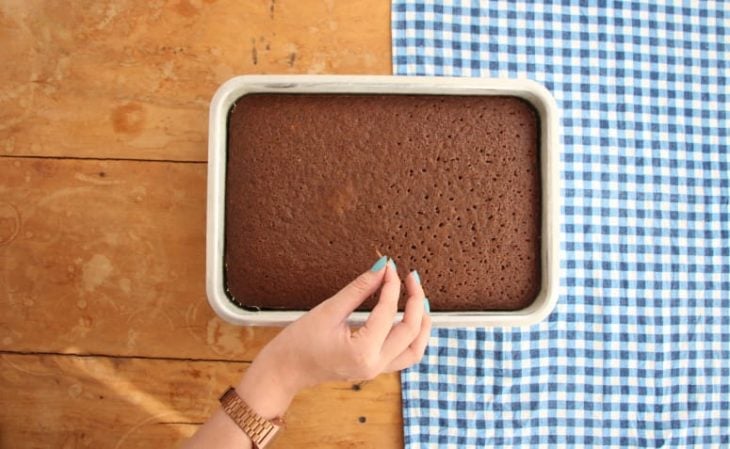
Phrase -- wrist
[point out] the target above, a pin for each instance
(268, 386)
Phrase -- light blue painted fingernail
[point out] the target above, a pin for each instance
(379, 264)
(416, 277)
(392, 264)
(426, 305)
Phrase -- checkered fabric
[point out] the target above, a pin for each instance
(637, 352)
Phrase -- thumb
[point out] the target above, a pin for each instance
(344, 302)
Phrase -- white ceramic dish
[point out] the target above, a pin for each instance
(537, 95)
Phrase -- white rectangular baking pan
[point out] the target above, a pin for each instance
(233, 89)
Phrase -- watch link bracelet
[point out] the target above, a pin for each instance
(260, 430)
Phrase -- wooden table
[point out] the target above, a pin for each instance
(106, 338)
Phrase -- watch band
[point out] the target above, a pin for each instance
(260, 430)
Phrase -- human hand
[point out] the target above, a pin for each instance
(321, 346)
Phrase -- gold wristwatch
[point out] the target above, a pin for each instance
(260, 430)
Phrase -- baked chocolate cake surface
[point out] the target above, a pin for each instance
(447, 185)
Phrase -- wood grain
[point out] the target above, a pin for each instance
(116, 403)
(108, 257)
(133, 78)
(105, 257)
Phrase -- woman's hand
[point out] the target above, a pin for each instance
(321, 346)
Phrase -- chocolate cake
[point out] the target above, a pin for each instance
(317, 184)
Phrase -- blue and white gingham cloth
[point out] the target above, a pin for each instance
(637, 352)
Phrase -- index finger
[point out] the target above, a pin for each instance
(344, 302)
(381, 319)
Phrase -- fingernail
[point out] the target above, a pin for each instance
(416, 277)
(392, 264)
(379, 264)
(426, 305)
